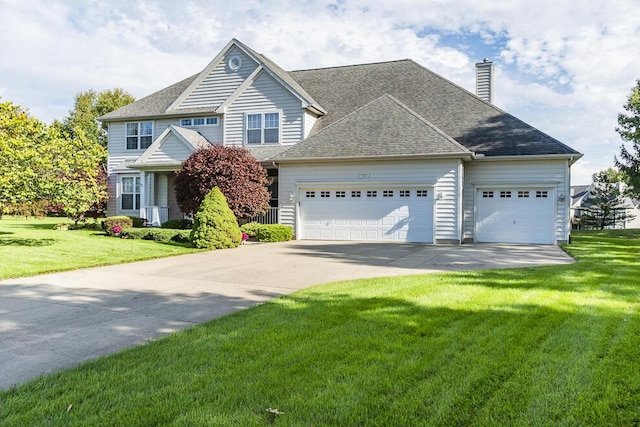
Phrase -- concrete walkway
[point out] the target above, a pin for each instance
(54, 321)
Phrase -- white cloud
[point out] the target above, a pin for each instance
(562, 68)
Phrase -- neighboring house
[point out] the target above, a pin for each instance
(581, 193)
(386, 151)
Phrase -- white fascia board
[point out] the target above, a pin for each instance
(572, 157)
(158, 167)
(456, 155)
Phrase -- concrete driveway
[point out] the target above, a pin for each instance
(58, 320)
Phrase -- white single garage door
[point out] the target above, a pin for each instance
(391, 214)
(515, 216)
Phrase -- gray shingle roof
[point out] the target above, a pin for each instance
(383, 127)
(155, 104)
(267, 152)
(476, 124)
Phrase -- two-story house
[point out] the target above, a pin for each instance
(385, 151)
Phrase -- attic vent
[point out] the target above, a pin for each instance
(235, 63)
(484, 80)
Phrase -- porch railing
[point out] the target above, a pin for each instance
(269, 217)
(156, 215)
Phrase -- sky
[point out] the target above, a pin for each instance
(563, 66)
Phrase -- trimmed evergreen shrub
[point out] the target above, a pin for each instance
(215, 226)
(117, 221)
(178, 224)
(274, 233)
(157, 234)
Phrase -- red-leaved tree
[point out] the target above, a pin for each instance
(239, 176)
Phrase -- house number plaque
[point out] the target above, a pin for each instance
(363, 176)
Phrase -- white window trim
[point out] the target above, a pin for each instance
(262, 113)
(139, 136)
(121, 192)
(202, 125)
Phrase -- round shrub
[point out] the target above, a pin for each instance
(215, 226)
(178, 224)
(240, 177)
(117, 221)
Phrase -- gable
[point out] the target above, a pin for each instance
(217, 82)
(382, 128)
(213, 87)
(171, 148)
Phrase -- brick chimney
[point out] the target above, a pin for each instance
(484, 80)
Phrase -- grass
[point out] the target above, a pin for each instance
(537, 346)
(32, 246)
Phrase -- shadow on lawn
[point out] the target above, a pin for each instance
(335, 359)
(4, 241)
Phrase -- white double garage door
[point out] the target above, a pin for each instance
(507, 215)
(397, 214)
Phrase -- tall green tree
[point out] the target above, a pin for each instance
(21, 167)
(43, 163)
(629, 130)
(606, 206)
(90, 105)
(77, 180)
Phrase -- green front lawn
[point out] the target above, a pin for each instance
(538, 346)
(31, 246)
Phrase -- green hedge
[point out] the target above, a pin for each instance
(157, 234)
(251, 228)
(268, 232)
(178, 224)
(138, 222)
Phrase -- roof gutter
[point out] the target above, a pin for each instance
(467, 155)
(572, 157)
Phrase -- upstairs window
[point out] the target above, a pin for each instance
(263, 128)
(139, 135)
(199, 121)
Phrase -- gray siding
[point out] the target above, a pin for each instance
(171, 150)
(117, 156)
(212, 133)
(172, 203)
(220, 83)
(443, 175)
(523, 173)
(265, 94)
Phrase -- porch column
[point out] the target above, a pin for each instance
(143, 193)
(151, 192)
